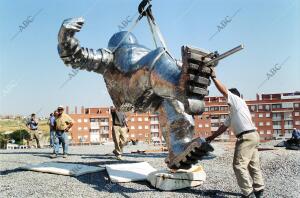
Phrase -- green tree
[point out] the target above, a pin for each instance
(19, 136)
(3, 140)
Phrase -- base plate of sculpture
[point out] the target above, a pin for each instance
(168, 180)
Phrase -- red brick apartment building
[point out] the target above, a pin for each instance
(94, 125)
(274, 115)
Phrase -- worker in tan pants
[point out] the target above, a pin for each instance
(246, 161)
(119, 133)
(246, 164)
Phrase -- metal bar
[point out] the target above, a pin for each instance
(224, 55)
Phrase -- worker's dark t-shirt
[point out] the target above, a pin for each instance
(118, 118)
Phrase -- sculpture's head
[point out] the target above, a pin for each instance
(121, 38)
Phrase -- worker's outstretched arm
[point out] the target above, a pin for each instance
(79, 57)
(218, 84)
(220, 130)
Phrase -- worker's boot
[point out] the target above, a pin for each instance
(178, 130)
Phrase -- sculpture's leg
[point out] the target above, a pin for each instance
(178, 130)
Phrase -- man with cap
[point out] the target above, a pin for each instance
(63, 123)
(246, 163)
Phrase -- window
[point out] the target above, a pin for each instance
(132, 127)
(214, 124)
(200, 125)
(267, 115)
(146, 118)
(206, 109)
(140, 119)
(206, 125)
(277, 132)
(132, 119)
(297, 122)
(297, 113)
(146, 127)
(268, 123)
(154, 119)
(252, 108)
(296, 105)
(79, 128)
(276, 106)
(288, 122)
(260, 124)
(276, 123)
(85, 128)
(253, 115)
(269, 132)
(79, 120)
(85, 120)
(154, 126)
(276, 115)
(214, 108)
(223, 108)
(140, 127)
(288, 131)
(267, 107)
(260, 115)
(260, 107)
(261, 132)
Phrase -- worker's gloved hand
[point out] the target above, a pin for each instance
(213, 72)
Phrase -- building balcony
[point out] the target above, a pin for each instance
(279, 136)
(104, 124)
(214, 121)
(276, 118)
(288, 126)
(154, 122)
(222, 119)
(276, 126)
(154, 130)
(104, 132)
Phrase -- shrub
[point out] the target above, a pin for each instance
(19, 135)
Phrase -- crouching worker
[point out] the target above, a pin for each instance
(246, 158)
(63, 123)
(119, 133)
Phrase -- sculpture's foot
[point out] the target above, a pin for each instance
(190, 154)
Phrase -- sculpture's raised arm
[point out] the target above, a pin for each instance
(79, 57)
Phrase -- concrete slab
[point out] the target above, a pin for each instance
(119, 173)
(173, 180)
(63, 168)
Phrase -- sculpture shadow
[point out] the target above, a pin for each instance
(15, 170)
(133, 155)
(211, 193)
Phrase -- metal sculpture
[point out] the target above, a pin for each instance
(140, 79)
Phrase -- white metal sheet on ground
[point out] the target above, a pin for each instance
(129, 172)
(63, 168)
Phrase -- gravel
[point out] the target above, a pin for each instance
(280, 167)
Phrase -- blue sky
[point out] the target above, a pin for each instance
(31, 71)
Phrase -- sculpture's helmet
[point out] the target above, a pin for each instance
(121, 38)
